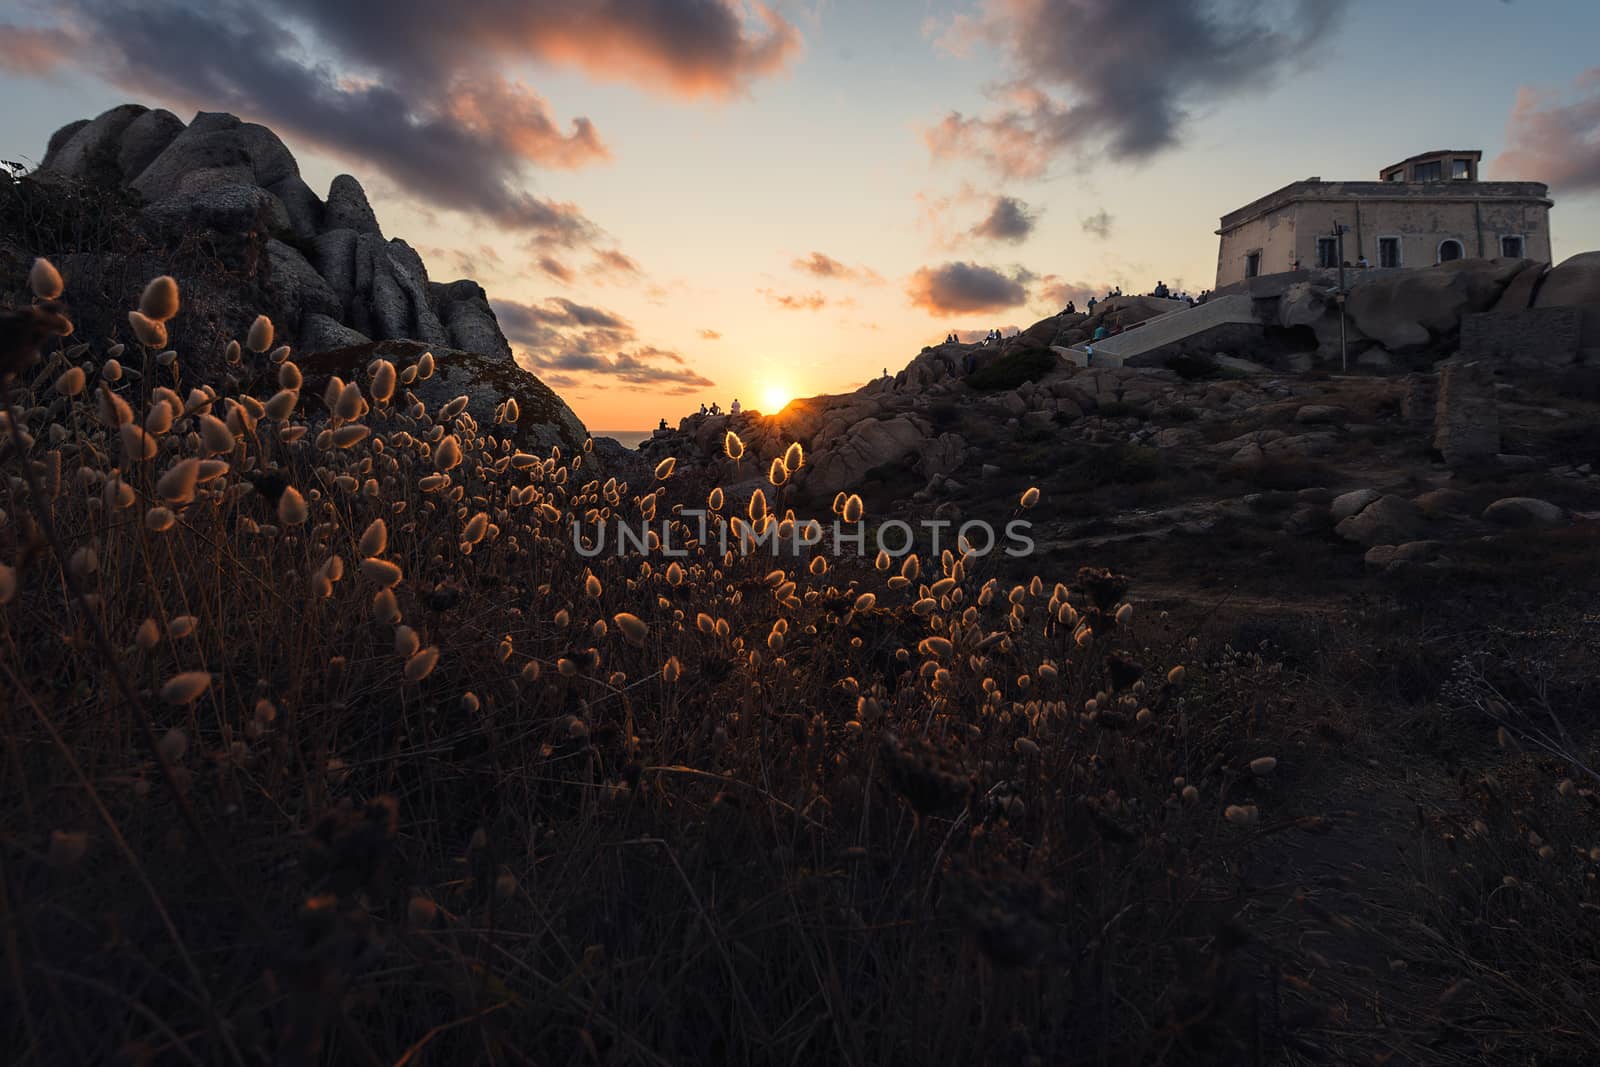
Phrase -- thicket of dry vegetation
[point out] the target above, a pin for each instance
(325, 744)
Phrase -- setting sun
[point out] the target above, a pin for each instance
(773, 399)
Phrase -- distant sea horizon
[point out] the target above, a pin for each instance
(630, 438)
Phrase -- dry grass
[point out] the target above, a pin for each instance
(288, 786)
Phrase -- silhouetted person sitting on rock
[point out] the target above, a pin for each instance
(1072, 308)
(703, 410)
(1160, 289)
(734, 410)
(663, 425)
(716, 409)
(1363, 262)
(1092, 303)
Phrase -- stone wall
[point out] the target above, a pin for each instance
(1536, 337)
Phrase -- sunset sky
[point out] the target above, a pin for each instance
(677, 201)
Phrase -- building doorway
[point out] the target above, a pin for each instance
(1388, 251)
(1449, 250)
(1252, 265)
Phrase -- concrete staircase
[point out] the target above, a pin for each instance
(1177, 325)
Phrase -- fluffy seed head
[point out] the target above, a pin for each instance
(853, 507)
(185, 688)
(794, 457)
(45, 280)
(159, 301)
(151, 334)
(1030, 497)
(664, 468)
(1263, 766)
(259, 339)
(72, 382)
(375, 539)
(633, 629)
(381, 572)
(177, 485)
(292, 507)
(1241, 814)
(732, 445)
(420, 665)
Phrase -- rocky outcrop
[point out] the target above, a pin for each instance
(1575, 282)
(1421, 309)
(1388, 520)
(1524, 511)
(322, 270)
(347, 207)
(840, 464)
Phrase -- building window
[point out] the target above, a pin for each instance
(1511, 246)
(1449, 250)
(1252, 265)
(1327, 252)
(1460, 169)
(1388, 251)
(1427, 172)
(1397, 175)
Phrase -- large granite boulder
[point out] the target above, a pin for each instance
(90, 152)
(1389, 520)
(1518, 294)
(1419, 310)
(322, 271)
(1524, 511)
(841, 464)
(1575, 282)
(228, 206)
(464, 309)
(214, 141)
(347, 207)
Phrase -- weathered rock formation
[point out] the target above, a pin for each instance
(221, 204)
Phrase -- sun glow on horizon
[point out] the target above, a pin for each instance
(774, 397)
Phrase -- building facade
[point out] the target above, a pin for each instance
(1425, 210)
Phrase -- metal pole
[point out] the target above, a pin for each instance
(1344, 353)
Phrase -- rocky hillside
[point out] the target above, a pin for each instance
(1179, 469)
(221, 205)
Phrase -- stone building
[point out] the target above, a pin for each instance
(1425, 210)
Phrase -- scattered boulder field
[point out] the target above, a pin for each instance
(1413, 464)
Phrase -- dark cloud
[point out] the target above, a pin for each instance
(32, 51)
(822, 265)
(1097, 225)
(1009, 220)
(582, 345)
(795, 301)
(1129, 73)
(543, 325)
(614, 264)
(417, 89)
(1552, 141)
(966, 287)
(555, 268)
(710, 335)
(1056, 292)
(645, 367)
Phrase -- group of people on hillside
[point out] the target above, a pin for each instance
(716, 409)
